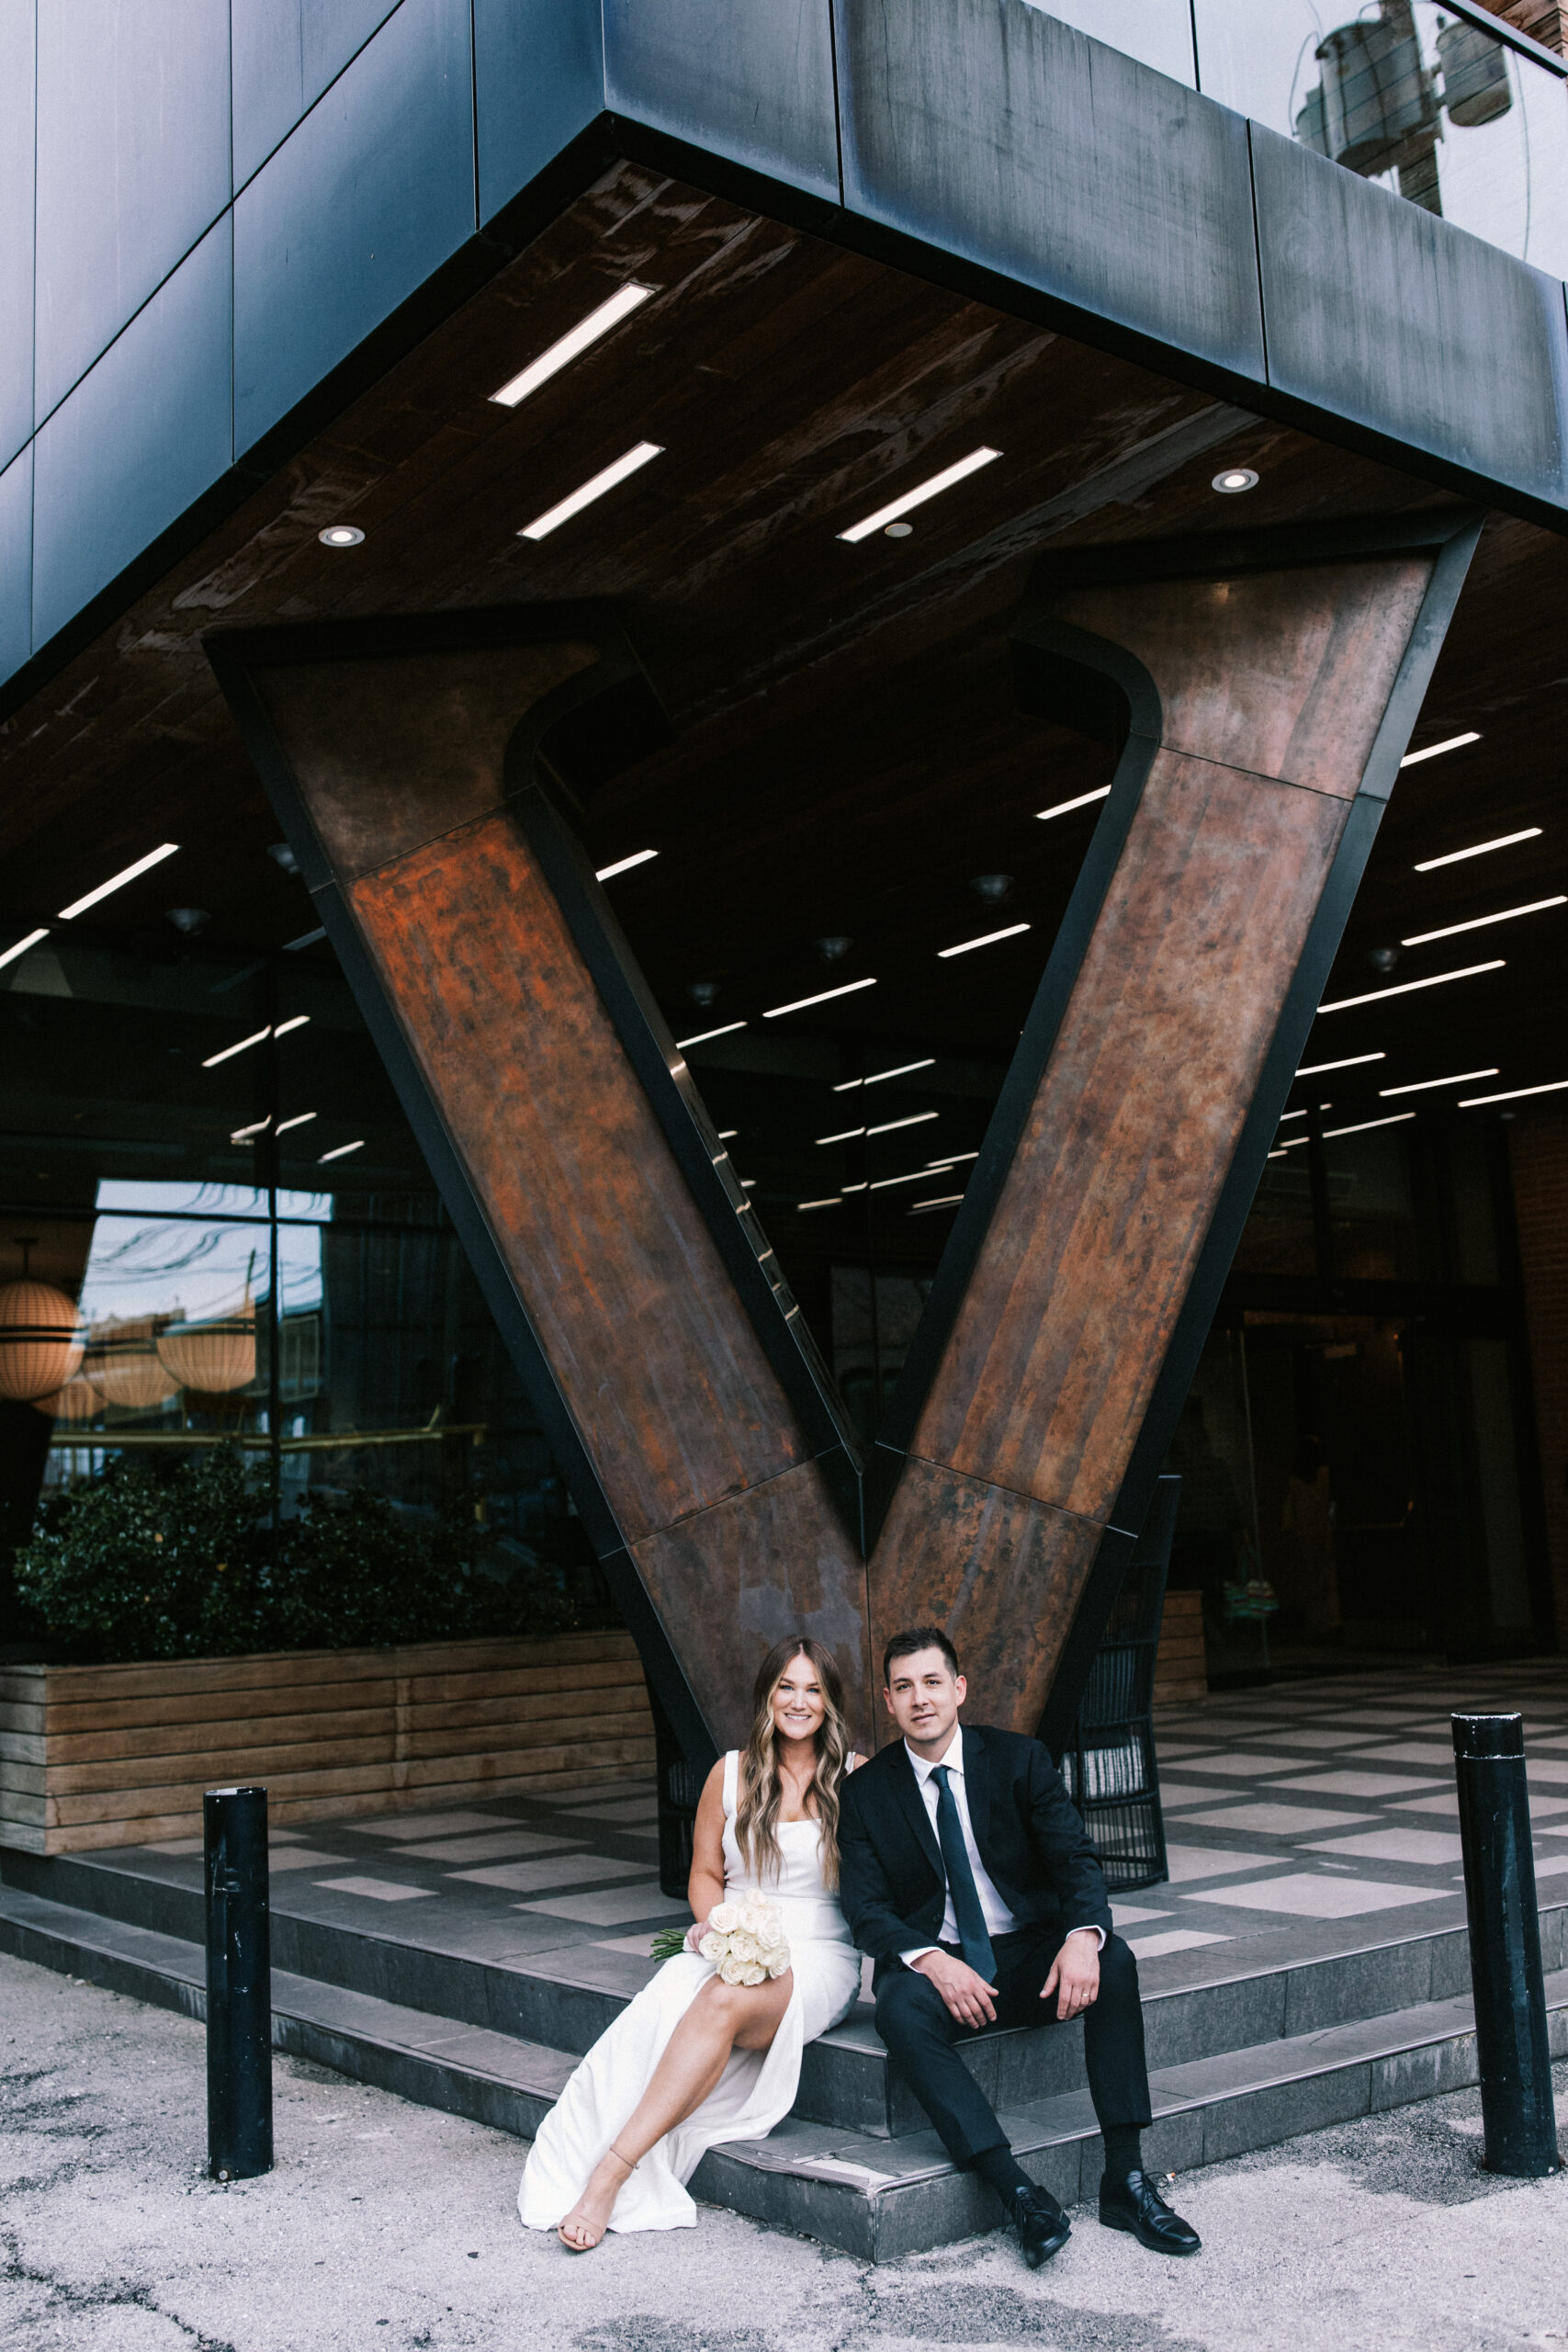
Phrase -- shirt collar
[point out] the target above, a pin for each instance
(954, 1758)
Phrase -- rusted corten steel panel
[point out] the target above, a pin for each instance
(1271, 687)
(1271, 692)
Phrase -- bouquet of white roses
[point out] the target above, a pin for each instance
(745, 1940)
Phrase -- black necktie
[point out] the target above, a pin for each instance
(974, 1942)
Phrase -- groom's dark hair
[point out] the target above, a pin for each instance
(919, 1637)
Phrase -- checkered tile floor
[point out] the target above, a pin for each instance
(1307, 1816)
(1333, 1801)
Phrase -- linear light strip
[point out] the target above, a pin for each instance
(297, 1021)
(1393, 1119)
(342, 1152)
(845, 1134)
(1479, 922)
(845, 1085)
(1513, 1094)
(570, 345)
(1066, 808)
(915, 1119)
(1351, 1061)
(948, 1201)
(799, 1003)
(300, 1119)
(229, 1051)
(22, 945)
(118, 881)
(594, 487)
(836, 1203)
(702, 1035)
(916, 1176)
(1434, 751)
(953, 1159)
(987, 938)
(625, 865)
(1409, 987)
(921, 492)
(1481, 849)
(243, 1134)
(1424, 1085)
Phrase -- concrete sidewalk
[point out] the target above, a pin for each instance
(387, 2225)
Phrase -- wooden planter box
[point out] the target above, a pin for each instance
(1181, 1670)
(93, 1755)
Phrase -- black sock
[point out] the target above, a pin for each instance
(1123, 2152)
(1000, 2171)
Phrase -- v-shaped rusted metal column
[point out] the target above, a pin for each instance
(1270, 686)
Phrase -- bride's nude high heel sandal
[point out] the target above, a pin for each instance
(569, 2243)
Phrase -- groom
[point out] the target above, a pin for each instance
(968, 1876)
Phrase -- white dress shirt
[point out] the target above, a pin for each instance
(999, 1920)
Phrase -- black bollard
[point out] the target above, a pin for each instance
(1511, 2040)
(239, 1985)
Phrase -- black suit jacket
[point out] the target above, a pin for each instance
(1030, 1834)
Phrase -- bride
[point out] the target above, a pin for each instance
(692, 2061)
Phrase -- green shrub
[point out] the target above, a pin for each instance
(185, 1562)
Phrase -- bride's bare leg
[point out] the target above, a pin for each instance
(723, 2018)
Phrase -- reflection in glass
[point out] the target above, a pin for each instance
(1429, 106)
(1156, 32)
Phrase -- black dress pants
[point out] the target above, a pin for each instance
(923, 2035)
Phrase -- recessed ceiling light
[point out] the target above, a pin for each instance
(835, 1203)
(728, 1134)
(1481, 849)
(987, 938)
(933, 488)
(1409, 987)
(1235, 479)
(702, 1035)
(300, 1119)
(1424, 1085)
(229, 1051)
(341, 534)
(595, 487)
(1479, 922)
(825, 996)
(342, 1152)
(118, 881)
(244, 1134)
(1513, 1094)
(947, 1201)
(898, 530)
(620, 305)
(22, 945)
(877, 1075)
(1351, 1061)
(1433, 751)
(295, 1021)
(1066, 808)
(845, 1134)
(952, 1159)
(1363, 1126)
(1291, 1114)
(860, 1187)
(625, 865)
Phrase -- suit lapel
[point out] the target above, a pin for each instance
(977, 1789)
(906, 1790)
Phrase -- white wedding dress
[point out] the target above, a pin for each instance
(757, 2087)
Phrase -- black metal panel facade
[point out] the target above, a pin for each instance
(370, 195)
(16, 229)
(138, 440)
(1380, 312)
(993, 131)
(286, 53)
(15, 561)
(132, 165)
(753, 79)
(538, 80)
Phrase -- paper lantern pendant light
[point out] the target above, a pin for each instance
(123, 1363)
(215, 1356)
(40, 1338)
(78, 1401)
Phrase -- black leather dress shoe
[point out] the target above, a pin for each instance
(1043, 2228)
(1136, 2204)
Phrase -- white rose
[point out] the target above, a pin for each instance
(725, 1918)
(711, 1946)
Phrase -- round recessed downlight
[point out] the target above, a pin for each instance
(1233, 479)
(341, 534)
(898, 530)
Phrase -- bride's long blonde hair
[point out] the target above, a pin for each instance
(761, 1791)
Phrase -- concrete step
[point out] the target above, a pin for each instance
(874, 2196)
(1196, 2007)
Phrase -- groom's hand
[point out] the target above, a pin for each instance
(1075, 1974)
(965, 1991)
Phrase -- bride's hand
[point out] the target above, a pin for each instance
(695, 1933)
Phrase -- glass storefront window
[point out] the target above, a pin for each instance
(1373, 1207)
